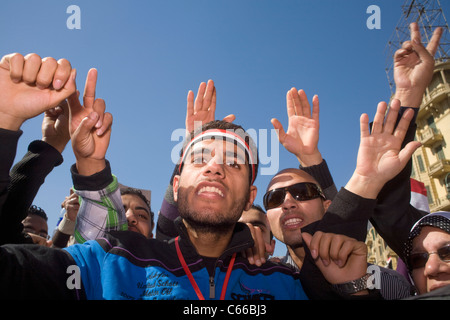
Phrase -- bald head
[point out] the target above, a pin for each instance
(286, 177)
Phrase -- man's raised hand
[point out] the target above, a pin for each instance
(90, 128)
(30, 85)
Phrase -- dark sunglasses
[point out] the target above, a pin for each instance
(419, 260)
(303, 191)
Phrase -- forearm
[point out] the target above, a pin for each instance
(348, 214)
(322, 174)
(26, 270)
(393, 216)
(165, 228)
(101, 209)
(28, 175)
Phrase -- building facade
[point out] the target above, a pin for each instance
(431, 162)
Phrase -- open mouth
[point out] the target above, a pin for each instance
(209, 189)
(292, 223)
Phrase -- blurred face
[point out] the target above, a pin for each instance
(257, 219)
(436, 273)
(138, 215)
(288, 218)
(35, 225)
(213, 188)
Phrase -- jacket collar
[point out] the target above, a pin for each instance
(241, 239)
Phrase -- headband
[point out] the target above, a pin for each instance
(226, 135)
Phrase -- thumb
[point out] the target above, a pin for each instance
(279, 129)
(229, 118)
(406, 153)
(86, 125)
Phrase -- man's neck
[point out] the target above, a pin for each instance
(209, 244)
(298, 255)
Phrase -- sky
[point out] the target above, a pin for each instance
(149, 54)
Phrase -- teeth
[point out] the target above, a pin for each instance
(292, 221)
(210, 189)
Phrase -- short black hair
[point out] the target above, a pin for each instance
(137, 192)
(37, 211)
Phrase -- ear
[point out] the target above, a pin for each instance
(251, 198)
(176, 184)
(326, 204)
(270, 249)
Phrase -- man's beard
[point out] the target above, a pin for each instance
(210, 221)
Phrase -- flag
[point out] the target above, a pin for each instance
(419, 197)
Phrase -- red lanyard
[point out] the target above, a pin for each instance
(191, 277)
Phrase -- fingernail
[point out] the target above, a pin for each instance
(57, 85)
(325, 262)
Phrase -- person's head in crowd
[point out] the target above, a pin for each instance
(138, 211)
(293, 200)
(428, 252)
(214, 184)
(36, 222)
(258, 218)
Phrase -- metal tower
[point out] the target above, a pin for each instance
(429, 15)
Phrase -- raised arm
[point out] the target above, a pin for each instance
(28, 86)
(413, 71)
(101, 209)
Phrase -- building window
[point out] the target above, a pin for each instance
(447, 75)
(420, 162)
(435, 82)
(431, 124)
(429, 196)
(439, 152)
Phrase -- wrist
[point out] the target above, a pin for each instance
(88, 167)
(310, 160)
(410, 97)
(10, 123)
(58, 146)
(364, 187)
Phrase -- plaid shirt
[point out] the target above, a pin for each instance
(100, 212)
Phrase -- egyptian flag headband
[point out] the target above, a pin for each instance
(225, 135)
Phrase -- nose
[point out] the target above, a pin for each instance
(434, 265)
(214, 167)
(289, 202)
(131, 217)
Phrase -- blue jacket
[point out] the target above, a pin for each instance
(126, 265)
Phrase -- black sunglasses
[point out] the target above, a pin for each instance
(419, 260)
(300, 191)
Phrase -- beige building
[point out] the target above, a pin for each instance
(378, 252)
(431, 162)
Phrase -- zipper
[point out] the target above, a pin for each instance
(212, 288)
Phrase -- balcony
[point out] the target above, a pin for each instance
(430, 136)
(439, 168)
(442, 204)
(438, 94)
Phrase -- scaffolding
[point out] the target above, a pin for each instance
(429, 15)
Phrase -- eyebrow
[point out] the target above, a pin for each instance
(206, 150)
